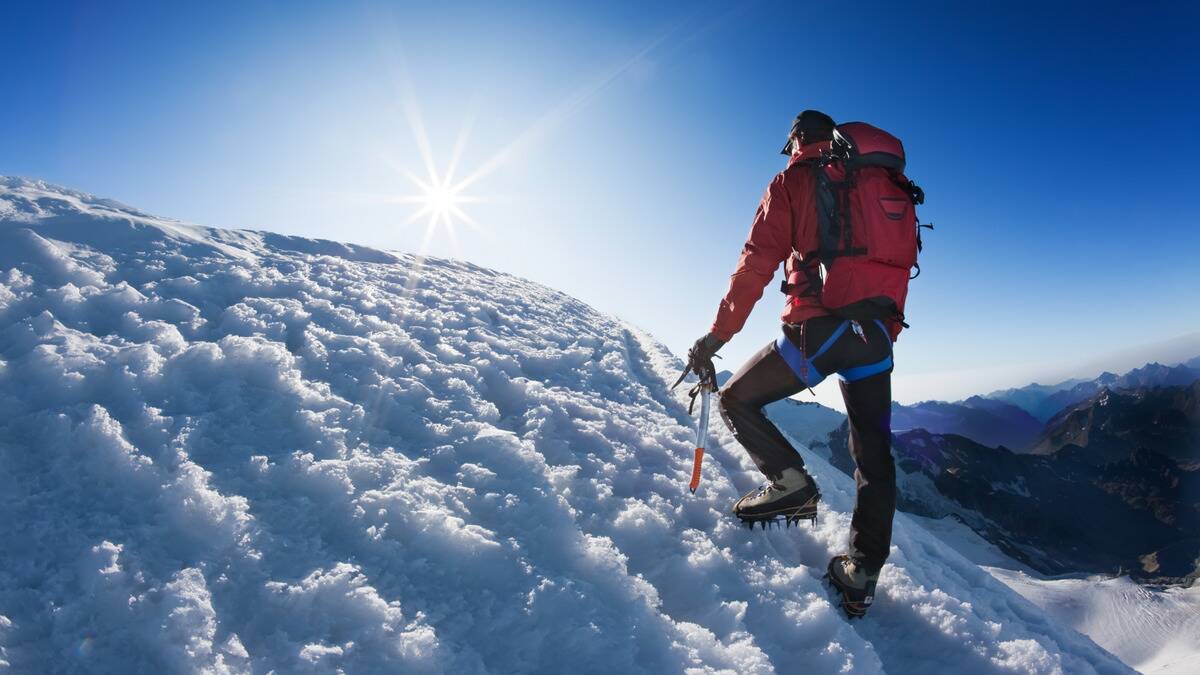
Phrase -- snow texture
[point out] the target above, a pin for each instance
(229, 451)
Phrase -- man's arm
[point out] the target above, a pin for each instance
(769, 243)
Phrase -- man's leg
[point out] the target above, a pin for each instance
(869, 409)
(764, 379)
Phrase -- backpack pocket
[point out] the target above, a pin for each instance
(884, 217)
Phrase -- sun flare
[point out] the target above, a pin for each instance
(439, 201)
(439, 198)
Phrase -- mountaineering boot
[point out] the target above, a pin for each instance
(854, 583)
(791, 497)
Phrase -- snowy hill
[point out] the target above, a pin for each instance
(241, 452)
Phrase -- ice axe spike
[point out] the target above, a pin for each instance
(686, 371)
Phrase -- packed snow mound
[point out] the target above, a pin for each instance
(239, 452)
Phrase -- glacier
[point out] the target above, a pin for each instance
(228, 451)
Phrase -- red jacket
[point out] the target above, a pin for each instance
(784, 228)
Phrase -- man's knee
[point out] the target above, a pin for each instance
(726, 399)
(732, 398)
(727, 396)
(732, 406)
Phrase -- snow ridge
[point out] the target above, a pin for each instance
(231, 451)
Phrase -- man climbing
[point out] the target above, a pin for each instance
(846, 207)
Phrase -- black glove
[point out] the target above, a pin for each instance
(700, 358)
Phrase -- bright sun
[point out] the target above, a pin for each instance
(439, 196)
(439, 200)
(440, 203)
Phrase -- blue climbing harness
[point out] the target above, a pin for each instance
(811, 376)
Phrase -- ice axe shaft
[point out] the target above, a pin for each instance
(701, 434)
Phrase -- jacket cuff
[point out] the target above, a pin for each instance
(722, 335)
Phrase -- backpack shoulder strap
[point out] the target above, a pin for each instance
(833, 217)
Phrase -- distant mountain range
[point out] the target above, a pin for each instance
(1164, 420)
(1120, 492)
(1045, 401)
(1017, 418)
(988, 421)
(1109, 481)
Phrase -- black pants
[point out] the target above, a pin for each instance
(862, 354)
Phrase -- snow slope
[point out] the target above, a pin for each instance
(241, 452)
(1154, 630)
(806, 422)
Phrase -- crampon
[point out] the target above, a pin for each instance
(779, 521)
(785, 517)
(789, 498)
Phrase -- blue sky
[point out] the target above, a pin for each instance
(627, 146)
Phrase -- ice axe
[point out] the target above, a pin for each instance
(706, 392)
(704, 389)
